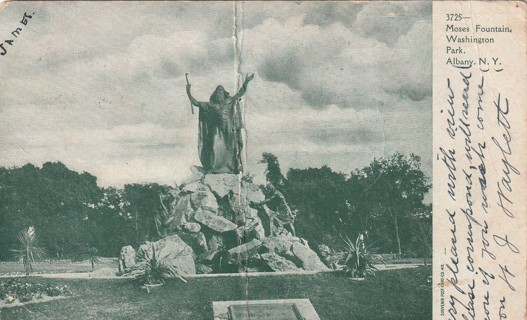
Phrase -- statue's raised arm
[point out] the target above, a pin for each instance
(192, 99)
(244, 87)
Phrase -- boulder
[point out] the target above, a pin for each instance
(246, 247)
(126, 258)
(239, 206)
(172, 251)
(196, 241)
(182, 210)
(310, 260)
(244, 251)
(195, 186)
(222, 184)
(252, 229)
(280, 244)
(252, 192)
(295, 250)
(204, 199)
(278, 263)
(214, 221)
(192, 227)
(197, 173)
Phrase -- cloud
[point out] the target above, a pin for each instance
(98, 150)
(412, 75)
(255, 13)
(333, 65)
(383, 21)
(347, 138)
(101, 86)
(387, 21)
(286, 68)
(325, 14)
(331, 136)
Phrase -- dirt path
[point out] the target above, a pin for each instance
(109, 273)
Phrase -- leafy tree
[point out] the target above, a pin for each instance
(386, 192)
(273, 173)
(421, 221)
(56, 200)
(68, 200)
(143, 205)
(71, 212)
(16, 206)
(320, 196)
(114, 225)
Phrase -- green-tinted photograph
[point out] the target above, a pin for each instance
(216, 160)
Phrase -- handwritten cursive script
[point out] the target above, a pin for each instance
(473, 240)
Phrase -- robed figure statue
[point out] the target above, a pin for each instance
(220, 130)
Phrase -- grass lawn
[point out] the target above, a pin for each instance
(393, 294)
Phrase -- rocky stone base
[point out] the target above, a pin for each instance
(210, 227)
(279, 254)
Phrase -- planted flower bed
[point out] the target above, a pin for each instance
(14, 290)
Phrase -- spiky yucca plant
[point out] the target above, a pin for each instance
(356, 259)
(93, 256)
(153, 271)
(28, 249)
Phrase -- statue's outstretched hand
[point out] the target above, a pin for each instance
(249, 77)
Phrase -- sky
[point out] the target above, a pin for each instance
(100, 86)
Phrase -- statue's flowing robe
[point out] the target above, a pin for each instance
(220, 136)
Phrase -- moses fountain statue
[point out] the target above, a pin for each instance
(217, 220)
(220, 140)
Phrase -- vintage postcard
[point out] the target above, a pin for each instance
(263, 160)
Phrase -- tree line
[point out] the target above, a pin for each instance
(382, 202)
(72, 215)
